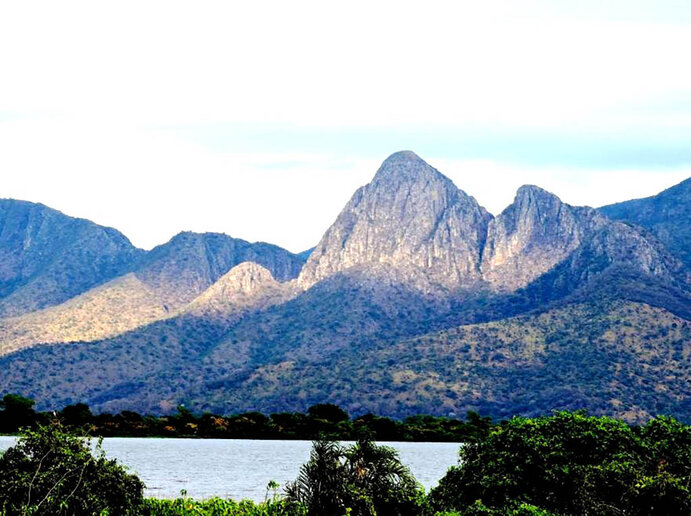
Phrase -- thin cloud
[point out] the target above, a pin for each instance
(261, 119)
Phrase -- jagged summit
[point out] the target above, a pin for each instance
(532, 205)
(533, 191)
(409, 216)
(245, 279)
(183, 268)
(406, 166)
(531, 236)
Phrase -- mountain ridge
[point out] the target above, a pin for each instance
(665, 214)
(47, 257)
(410, 257)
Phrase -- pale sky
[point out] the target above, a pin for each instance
(260, 119)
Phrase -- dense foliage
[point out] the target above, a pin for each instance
(52, 472)
(565, 464)
(363, 479)
(322, 420)
(219, 507)
(572, 464)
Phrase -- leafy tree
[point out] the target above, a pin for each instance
(52, 472)
(328, 412)
(477, 426)
(16, 412)
(381, 428)
(364, 479)
(321, 485)
(570, 463)
(77, 415)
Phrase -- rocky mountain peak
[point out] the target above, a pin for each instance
(533, 193)
(532, 205)
(247, 285)
(183, 268)
(409, 216)
(405, 166)
(247, 277)
(532, 235)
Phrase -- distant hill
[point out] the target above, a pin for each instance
(183, 268)
(666, 214)
(159, 284)
(47, 257)
(416, 299)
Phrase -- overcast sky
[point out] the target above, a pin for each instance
(260, 119)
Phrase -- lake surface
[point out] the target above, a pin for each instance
(241, 468)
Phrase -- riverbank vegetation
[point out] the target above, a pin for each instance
(560, 465)
(320, 421)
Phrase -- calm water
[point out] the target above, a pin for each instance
(241, 468)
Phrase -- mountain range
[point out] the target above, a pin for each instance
(415, 300)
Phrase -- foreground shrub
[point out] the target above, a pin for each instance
(51, 472)
(362, 480)
(219, 507)
(573, 464)
(510, 509)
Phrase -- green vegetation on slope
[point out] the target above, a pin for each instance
(666, 214)
(630, 360)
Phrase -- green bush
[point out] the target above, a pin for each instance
(51, 472)
(219, 507)
(570, 463)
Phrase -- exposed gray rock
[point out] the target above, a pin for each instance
(535, 233)
(245, 287)
(409, 217)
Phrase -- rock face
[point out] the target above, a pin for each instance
(413, 226)
(409, 217)
(531, 236)
(246, 286)
(667, 215)
(47, 257)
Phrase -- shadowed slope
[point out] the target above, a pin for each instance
(667, 215)
(47, 257)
